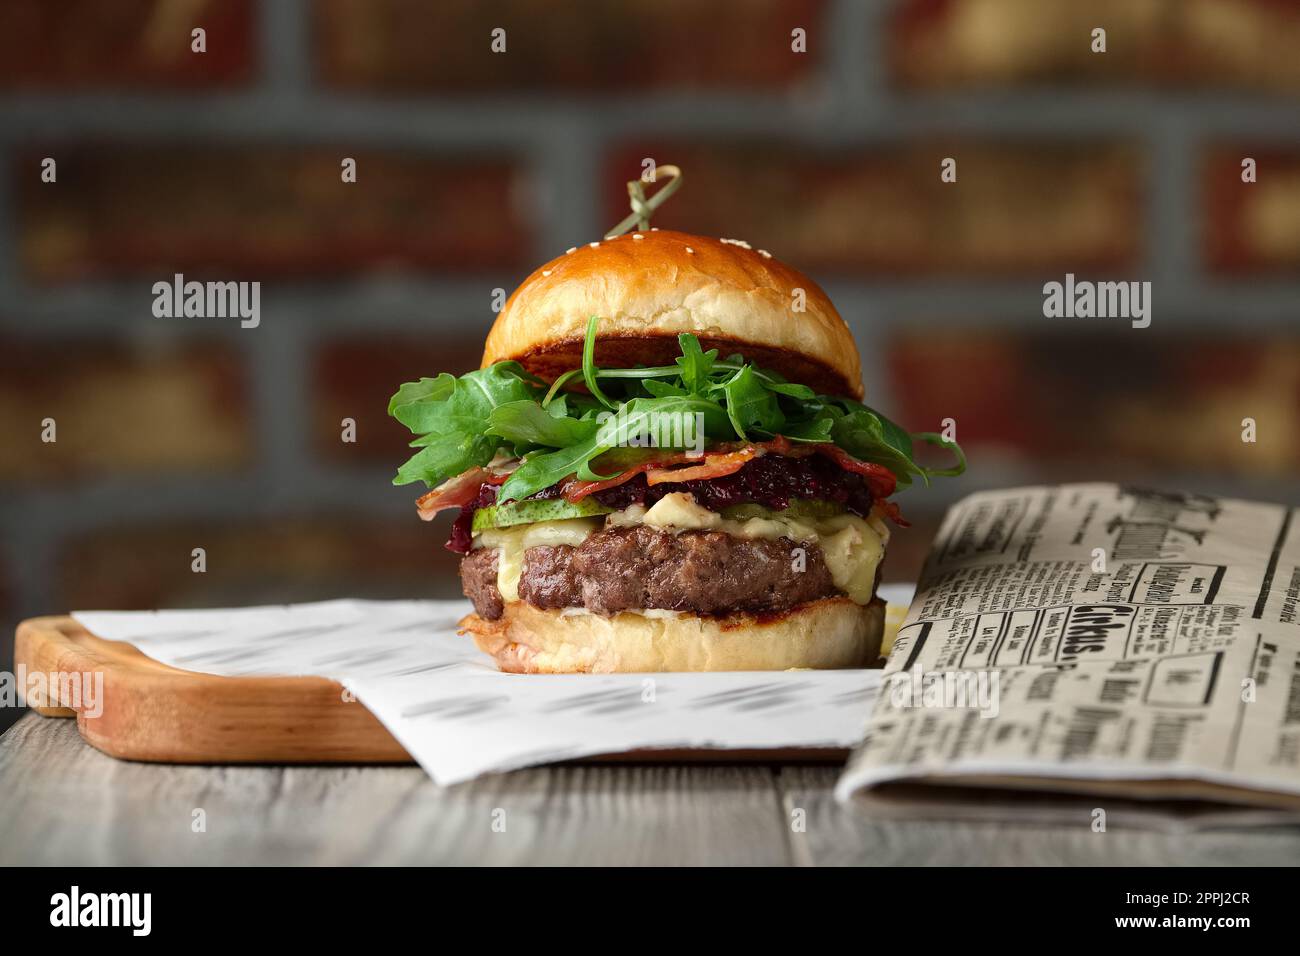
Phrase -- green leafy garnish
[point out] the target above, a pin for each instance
(465, 422)
(751, 404)
(525, 423)
(448, 415)
(589, 370)
(696, 365)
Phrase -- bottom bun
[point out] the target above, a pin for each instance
(833, 632)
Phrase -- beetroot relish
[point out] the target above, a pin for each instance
(771, 481)
(461, 534)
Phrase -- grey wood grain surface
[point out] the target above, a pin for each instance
(66, 803)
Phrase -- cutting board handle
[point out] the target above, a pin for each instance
(146, 710)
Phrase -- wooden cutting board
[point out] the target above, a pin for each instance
(154, 712)
(159, 713)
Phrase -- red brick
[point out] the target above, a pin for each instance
(1014, 209)
(1251, 227)
(976, 377)
(263, 212)
(589, 45)
(355, 377)
(254, 562)
(945, 43)
(1243, 44)
(120, 410)
(1247, 44)
(1071, 405)
(125, 44)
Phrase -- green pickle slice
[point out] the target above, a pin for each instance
(529, 512)
(798, 509)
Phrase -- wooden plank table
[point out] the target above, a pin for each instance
(66, 803)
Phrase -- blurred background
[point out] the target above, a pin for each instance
(475, 167)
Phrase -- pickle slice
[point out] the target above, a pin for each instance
(530, 512)
(799, 508)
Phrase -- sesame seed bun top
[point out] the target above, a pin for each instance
(648, 286)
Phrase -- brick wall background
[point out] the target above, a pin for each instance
(475, 167)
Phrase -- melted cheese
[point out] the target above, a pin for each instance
(514, 541)
(852, 547)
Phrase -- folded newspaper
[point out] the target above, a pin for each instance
(1091, 640)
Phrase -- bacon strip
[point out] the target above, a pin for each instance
(657, 464)
(729, 459)
(879, 479)
(576, 489)
(725, 460)
(714, 466)
(891, 511)
(455, 492)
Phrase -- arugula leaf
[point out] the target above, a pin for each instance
(663, 418)
(449, 414)
(589, 364)
(750, 404)
(559, 407)
(933, 438)
(666, 419)
(466, 421)
(814, 430)
(662, 389)
(543, 470)
(696, 365)
(527, 423)
(791, 389)
(415, 404)
(869, 437)
(445, 458)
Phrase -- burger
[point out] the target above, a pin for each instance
(664, 464)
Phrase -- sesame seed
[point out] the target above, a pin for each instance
(546, 272)
(765, 254)
(637, 235)
(654, 228)
(690, 250)
(593, 244)
(737, 242)
(570, 249)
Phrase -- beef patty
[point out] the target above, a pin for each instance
(701, 572)
(478, 579)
